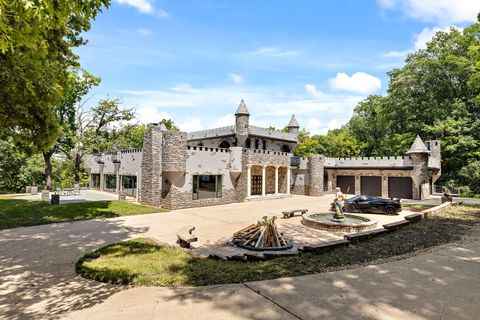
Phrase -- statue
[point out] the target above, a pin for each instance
(339, 205)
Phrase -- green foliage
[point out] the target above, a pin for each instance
(36, 42)
(470, 175)
(436, 95)
(169, 124)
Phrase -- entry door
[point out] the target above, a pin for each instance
(371, 186)
(257, 184)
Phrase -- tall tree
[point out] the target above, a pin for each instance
(78, 84)
(92, 125)
(36, 42)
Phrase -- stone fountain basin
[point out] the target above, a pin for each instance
(351, 223)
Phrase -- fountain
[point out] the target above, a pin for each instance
(338, 223)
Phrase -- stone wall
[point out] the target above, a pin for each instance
(357, 173)
(174, 152)
(151, 182)
(177, 198)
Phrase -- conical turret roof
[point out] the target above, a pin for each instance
(418, 146)
(293, 122)
(242, 109)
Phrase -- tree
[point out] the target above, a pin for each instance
(36, 42)
(169, 124)
(93, 125)
(78, 84)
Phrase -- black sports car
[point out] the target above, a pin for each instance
(371, 204)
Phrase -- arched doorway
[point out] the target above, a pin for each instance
(224, 145)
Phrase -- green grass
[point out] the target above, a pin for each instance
(21, 213)
(143, 262)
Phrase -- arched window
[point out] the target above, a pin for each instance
(199, 144)
(285, 148)
(224, 145)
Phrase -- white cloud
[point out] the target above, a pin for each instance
(312, 89)
(183, 87)
(420, 41)
(192, 124)
(193, 108)
(274, 52)
(145, 6)
(316, 126)
(148, 114)
(360, 82)
(225, 121)
(236, 78)
(443, 12)
(141, 5)
(427, 34)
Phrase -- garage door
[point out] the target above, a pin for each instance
(371, 186)
(346, 184)
(400, 187)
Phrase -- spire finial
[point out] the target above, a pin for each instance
(293, 122)
(418, 146)
(242, 109)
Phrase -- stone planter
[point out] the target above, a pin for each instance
(46, 195)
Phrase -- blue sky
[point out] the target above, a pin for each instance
(194, 60)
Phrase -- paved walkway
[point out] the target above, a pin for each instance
(85, 195)
(37, 276)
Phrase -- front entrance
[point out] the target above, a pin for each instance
(256, 184)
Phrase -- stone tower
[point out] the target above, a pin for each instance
(293, 126)
(151, 182)
(419, 154)
(316, 163)
(434, 147)
(242, 126)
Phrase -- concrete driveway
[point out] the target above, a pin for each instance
(38, 280)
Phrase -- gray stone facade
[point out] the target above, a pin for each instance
(249, 162)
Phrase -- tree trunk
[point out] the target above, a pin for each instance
(47, 157)
(78, 160)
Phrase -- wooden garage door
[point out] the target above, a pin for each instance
(371, 186)
(400, 187)
(346, 184)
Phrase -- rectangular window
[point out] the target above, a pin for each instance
(129, 185)
(264, 144)
(207, 186)
(256, 144)
(95, 181)
(110, 182)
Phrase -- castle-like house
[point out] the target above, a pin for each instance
(241, 162)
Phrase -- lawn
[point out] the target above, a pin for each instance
(143, 262)
(21, 213)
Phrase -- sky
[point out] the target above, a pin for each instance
(192, 61)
